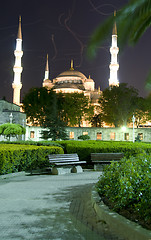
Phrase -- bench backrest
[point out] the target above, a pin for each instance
(63, 157)
(106, 156)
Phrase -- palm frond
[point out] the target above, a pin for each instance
(141, 29)
(132, 21)
(99, 36)
(148, 82)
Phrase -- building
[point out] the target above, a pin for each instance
(71, 81)
(10, 113)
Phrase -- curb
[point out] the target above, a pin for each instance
(117, 223)
(10, 175)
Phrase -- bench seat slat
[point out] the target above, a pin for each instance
(63, 155)
(64, 162)
(68, 163)
(65, 159)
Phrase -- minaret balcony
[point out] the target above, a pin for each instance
(114, 67)
(18, 53)
(17, 85)
(114, 50)
(17, 69)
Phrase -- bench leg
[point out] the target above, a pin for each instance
(76, 169)
(99, 167)
(60, 171)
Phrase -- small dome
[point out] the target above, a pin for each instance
(89, 80)
(47, 81)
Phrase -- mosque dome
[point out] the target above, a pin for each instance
(70, 80)
(72, 73)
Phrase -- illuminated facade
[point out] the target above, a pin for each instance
(114, 66)
(71, 81)
(17, 85)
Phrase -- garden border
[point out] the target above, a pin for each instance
(117, 223)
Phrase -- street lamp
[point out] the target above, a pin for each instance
(133, 119)
(23, 123)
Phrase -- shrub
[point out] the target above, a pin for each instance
(84, 137)
(127, 185)
(37, 143)
(14, 158)
(85, 148)
(9, 130)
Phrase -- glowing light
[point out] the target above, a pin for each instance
(123, 128)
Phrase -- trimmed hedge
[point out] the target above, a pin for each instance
(127, 186)
(85, 148)
(14, 158)
(37, 143)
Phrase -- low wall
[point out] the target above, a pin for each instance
(105, 134)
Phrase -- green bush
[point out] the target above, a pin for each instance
(127, 185)
(37, 143)
(85, 148)
(9, 130)
(14, 158)
(84, 137)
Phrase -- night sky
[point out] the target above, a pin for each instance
(62, 28)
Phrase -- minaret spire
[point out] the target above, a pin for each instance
(114, 66)
(114, 27)
(71, 67)
(19, 36)
(47, 69)
(17, 85)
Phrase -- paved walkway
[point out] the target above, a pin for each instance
(50, 207)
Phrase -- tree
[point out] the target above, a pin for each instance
(76, 107)
(55, 127)
(141, 113)
(148, 107)
(34, 104)
(118, 104)
(71, 107)
(9, 130)
(97, 120)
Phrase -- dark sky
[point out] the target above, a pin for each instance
(62, 28)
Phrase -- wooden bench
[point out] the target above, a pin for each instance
(100, 159)
(65, 163)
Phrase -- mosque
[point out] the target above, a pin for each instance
(68, 81)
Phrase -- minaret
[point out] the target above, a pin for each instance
(47, 83)
(46, 70)
(114, 66)
(17, 85)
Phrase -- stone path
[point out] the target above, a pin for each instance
(50, 207)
